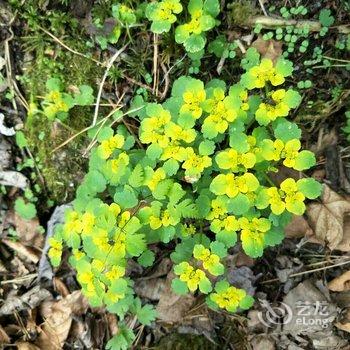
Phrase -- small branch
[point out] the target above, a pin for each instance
(109, 66)
(68, 48)
(271, 23)
(155, 64)
(309, 271)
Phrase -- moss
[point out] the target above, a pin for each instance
(241, 11)
(176, 341)
(64, 169)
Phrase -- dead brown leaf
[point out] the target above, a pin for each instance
(26, 346)
(344, 323)
(327, 218)
(28, 230)
(60, 287)
(298, 227)
(4, 338)
(30, 299)
(150, 289)
(282, 174)
(270, 49)
(58, 316)
(344, 245)
(340, 283)
(173, 307)
(22, 250)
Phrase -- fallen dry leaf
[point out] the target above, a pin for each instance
(60, 287)
(262, 342)
(298, 227)
(31, 300)
(173, 307)
(150, 289)
(28, 230)
(4, 338)
(344, 323)
(22, 250)
(26, 346)
(282, 174)
(340, 283)
(327, 218)
(58, 316)
(344, 245)
(270, 49)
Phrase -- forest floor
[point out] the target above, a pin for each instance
(306, 277)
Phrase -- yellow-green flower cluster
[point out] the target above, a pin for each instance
(259, 75)
(100, 239)
(193, 277)
(196, 176)
(210, 261)
(230, 298)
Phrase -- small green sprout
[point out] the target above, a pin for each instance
(203, 14)
(163, 14)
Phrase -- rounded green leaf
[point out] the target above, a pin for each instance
(206, 148)
(239, 205)
(285, 130)
(310, 188)
(304, 160)
(194, 43)
(205, 286)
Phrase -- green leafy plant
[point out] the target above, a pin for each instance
(346, 128)
(56, 103)
(108, 31)
(24, 209)
(199, 179)
(191, 34)
(163, 14)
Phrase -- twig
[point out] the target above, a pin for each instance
(70, 49)
(263, 8)
(90, 127)
(309, 271)
(109, 66)
(101, 126)
(271, 23)
(155, 63)
(167, 81)
(21, 279)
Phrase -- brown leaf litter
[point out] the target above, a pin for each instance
(329, 219)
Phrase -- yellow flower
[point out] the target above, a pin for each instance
(263, 73)
(120, 162)
(174, 151)
(221, 112)
(218, 209)
(86, 277)
(194, 163)
(191, 276)
(230, 159)
(115, 209)
(228, 298)
(287, 197)
(165, 220)
(177, 133)
(157, 176)
(277, 204)
(152, 128)
(107, 147)
(78, 255)
(193, 100)
(291, 151)
(115, 273)
(87, 222)
(123, 218)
